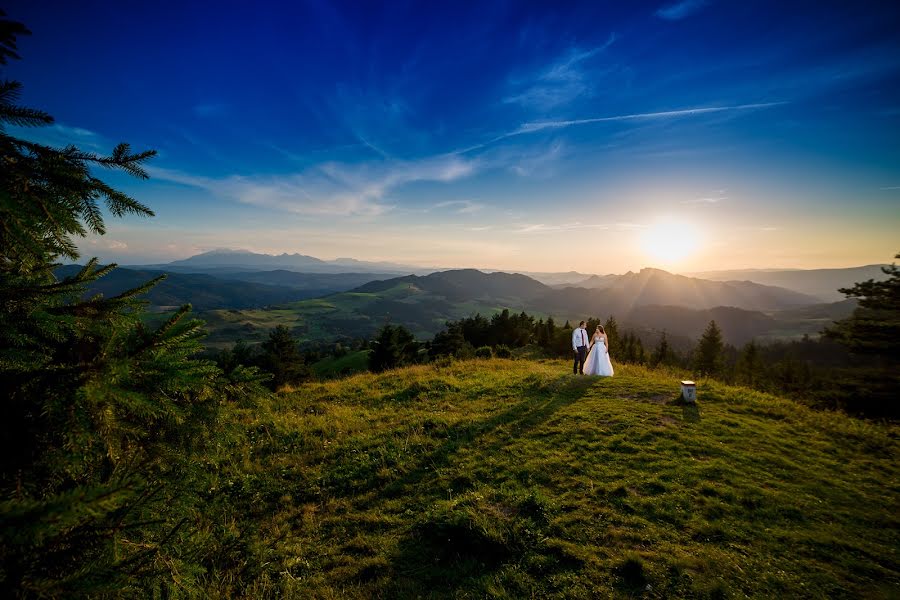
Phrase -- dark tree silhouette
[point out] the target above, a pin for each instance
(103, 417)
(394, 346)
(708, 360)
(282, 358)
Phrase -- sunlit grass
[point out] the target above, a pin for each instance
(498, 478)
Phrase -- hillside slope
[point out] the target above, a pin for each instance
(515, 479)
(657, 287)
(424, 304)
(822, 283)
(204, 292)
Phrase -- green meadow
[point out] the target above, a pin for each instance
(515, 479)
(348, 315)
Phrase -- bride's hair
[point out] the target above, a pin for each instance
(600, 327)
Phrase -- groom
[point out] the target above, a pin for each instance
(579, 347)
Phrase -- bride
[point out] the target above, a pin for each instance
(597, 362)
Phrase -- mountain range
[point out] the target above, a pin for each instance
(204, 292)
(244, 294)
(252, 261)
(649, 301)
(821, 283)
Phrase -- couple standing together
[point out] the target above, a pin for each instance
(591, 356)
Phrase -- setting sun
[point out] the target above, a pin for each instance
(670, 241)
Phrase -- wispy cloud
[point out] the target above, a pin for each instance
(680, 10)
(331, 188)
(576, 225)
(539, 164)
(714, 198)
(668, 114)
(461, 206)
(536, 126)
(890, 187)
(59, 135)
(560, 82)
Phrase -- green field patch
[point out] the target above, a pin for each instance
(512, 478)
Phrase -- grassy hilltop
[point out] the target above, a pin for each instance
(515, 479)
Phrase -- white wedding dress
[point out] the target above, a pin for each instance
(597, 362)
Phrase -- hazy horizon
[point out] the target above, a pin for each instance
(486, 268)
(686, 135)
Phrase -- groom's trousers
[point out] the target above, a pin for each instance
(580, 357)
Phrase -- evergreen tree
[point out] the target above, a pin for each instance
(562, 342)
(640, 356)
(540, 333)
(708, 360)
(551, 330)
(872, 335)
(393, 346)
(281, 357)
(447, 342)
(103, 417)
(662, 353)
(612, 331)
(748, 365)
(874, 327)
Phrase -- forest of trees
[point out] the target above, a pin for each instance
(852, 367)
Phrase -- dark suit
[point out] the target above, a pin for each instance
(580, 352)
(580, 357)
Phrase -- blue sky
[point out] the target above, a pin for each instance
(533, 136)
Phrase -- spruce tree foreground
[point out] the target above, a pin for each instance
(111, 437)
(134, 468)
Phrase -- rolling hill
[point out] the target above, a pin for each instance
(319, 283)
(465, 285)
(514, 479)
(424, 303)
(821, 283)
(656, 287)
(245, 260)
(204, 292)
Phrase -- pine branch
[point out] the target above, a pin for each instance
(8, 32)
(22, 116)
(141, 289)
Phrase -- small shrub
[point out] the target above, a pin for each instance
(503, 351)
(465, 352)
(484, 352)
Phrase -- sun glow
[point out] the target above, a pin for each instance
(669, 241)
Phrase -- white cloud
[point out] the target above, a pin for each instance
(59, 135)
(329, 188)
(536, 126)
(558, 83)
(707, 200)
(539, 164)
(543, 228)
(462, 206)
(680, 10)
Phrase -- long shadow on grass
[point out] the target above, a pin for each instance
(538, 404)
(448, 551)
(363, 480)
